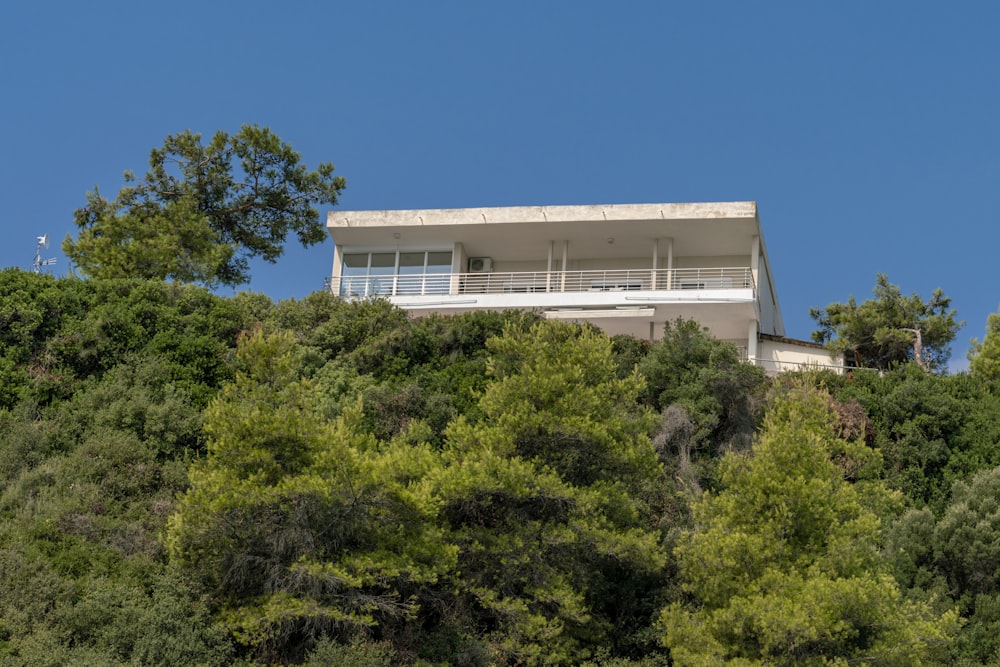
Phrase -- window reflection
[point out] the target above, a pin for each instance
(389, 273)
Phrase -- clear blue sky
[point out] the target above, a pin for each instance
(866, 131)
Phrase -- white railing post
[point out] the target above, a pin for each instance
(701, 278)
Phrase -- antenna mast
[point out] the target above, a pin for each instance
(43, 242)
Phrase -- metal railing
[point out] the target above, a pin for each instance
(545, 281)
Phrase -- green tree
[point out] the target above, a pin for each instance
(783, 567)
(958, 554)
(556, 397)
(967, 538)
(930, 429)
(707, 395)
(86, 484)
(890, 329)
(297, 526)
(542, 498)
(984, 358)
(202, 211)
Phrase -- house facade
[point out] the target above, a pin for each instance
(627, 268)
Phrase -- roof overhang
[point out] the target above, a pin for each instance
(622, 230)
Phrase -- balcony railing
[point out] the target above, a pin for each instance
(545, 281)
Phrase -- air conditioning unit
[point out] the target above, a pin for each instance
(480, 264)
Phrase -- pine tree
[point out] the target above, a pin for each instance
(783, 566)
(297, 526)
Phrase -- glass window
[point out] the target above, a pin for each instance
(411, 262)
(388, 273)
(354, 274)
(382, 264)
(411, 270)
(438, 273)
(355, 263)
(380, 272)
(439, 262)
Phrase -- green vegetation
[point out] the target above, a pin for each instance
(782, 568)
(984, 358)
(202, 210)
(188, 479)
(890, 329)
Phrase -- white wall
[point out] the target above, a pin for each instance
(768, 303)
(779, 356)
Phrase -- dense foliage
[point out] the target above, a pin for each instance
(188, 479)
(781, 567)
(889, 329)
(201, 210)
(984, 357)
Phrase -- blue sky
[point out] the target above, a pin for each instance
(868, 133)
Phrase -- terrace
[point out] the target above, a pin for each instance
(542, 282)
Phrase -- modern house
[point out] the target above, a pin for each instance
(625, 268)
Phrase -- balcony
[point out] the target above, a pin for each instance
(544, 282)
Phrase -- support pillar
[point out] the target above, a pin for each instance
(656, 262)
(565, 266)
(458, 267)
(338, 263)
(548, 267)
(670, 263)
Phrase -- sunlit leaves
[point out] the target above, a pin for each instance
(782, 567)
(541, 495)
(882, 332)
(298, 524)
(202, 211)
(984, 358)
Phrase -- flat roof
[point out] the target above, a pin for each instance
(699, 228)
(543, 214)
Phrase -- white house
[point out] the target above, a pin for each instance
(626, 268)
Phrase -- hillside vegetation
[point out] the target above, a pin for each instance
(188, 479)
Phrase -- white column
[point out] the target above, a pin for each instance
(656, 262)
(548, 267)
(752, 342)
(458, 264)
(338, 263)
(670, 263)
(755, 258)
(395, 273)
(565, 266)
